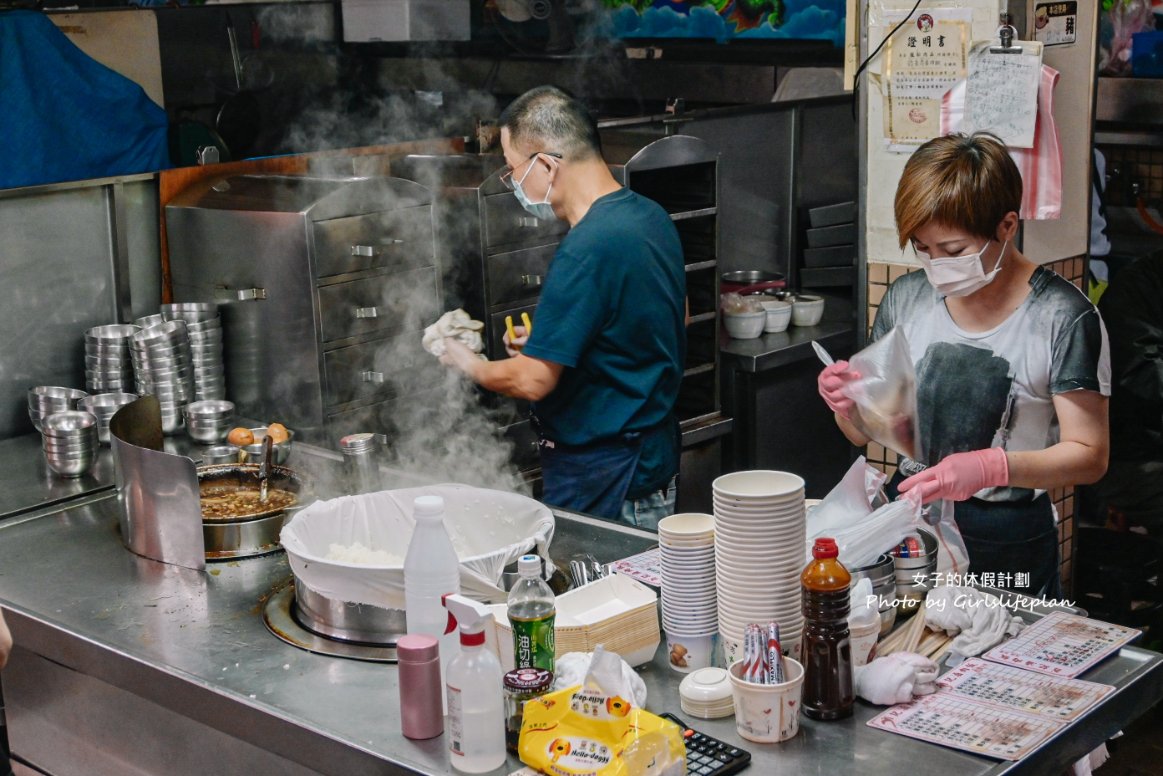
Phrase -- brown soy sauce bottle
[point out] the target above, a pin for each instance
(829, 691)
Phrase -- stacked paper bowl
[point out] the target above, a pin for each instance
(689, 612)
(760, 530)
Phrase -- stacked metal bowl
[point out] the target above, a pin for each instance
(70, 442)
(163, 367)
(209, 421)
(205, 331)
(108, 364)
(44, 400)
(102, 407)
(150, 321)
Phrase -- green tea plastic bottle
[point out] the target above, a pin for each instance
(829, 689)
(532, 611)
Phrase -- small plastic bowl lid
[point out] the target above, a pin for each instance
(707, 685)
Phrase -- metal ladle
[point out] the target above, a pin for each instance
(264, 467)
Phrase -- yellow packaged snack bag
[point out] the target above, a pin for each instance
(589, 731)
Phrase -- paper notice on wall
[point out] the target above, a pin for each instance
(925, 58)
(1001, 94)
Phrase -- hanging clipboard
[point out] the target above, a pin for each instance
(1001, 94)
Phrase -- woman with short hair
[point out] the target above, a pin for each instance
(1012, 363)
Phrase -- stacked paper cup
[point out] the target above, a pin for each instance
(689, 613)
(760, 530)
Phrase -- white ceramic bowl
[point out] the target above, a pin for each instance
(745, 325)
(807, 310)
(778, 315)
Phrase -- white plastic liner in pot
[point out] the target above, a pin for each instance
(489, 529)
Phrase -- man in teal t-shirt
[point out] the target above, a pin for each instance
(604, 364)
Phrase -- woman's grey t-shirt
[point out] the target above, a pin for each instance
(995, 388)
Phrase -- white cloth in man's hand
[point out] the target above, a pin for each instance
(458, 325)
(896, 678)
(977, 619)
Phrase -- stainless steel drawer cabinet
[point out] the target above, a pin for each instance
(507, 223)
(326, 284)
(392, 240)
(379, 303)
(517, 276)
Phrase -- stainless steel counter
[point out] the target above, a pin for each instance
(174, 672)
(26, 482)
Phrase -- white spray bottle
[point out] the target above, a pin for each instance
(476, 704)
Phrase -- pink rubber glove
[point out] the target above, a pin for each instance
(831, 381)
(961, 475)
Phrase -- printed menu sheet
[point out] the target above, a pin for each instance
(993, 709)
(1019, 690)
(646, 567)
(1062, 644)
(944, 718)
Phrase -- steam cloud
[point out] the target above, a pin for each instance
(438, 429)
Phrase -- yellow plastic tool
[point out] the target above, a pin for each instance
(525, 319)
(509, 328)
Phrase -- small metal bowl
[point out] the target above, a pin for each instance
(220, 454)
(281, 451)
(69, 423)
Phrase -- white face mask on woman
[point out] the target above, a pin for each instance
(960, 275)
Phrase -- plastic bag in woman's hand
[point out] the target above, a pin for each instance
(885, 394)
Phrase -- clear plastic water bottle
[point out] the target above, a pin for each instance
(532, 611)
(431, 571)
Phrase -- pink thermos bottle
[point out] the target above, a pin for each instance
(421, 709)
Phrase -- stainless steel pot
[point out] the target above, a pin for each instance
(882, 575)
(750, 281)
(357, 623)
(251, 534)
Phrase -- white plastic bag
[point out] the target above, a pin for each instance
(952, 554)
(864, 540)
(885, 395)
(847, 503)
(489, 529)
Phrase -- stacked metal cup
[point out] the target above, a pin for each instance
(70, 442)
(102, 407)
(108, 365)
(163, 368)
(205, 329)
(44, 400)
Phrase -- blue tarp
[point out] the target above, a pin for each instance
(66, 116)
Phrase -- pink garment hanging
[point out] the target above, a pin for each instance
(1040, 166)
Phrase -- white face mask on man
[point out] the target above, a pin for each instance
(960, 275)
(541, 210)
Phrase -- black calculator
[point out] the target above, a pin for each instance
(707, 756)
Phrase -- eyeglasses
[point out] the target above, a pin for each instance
(507, 175)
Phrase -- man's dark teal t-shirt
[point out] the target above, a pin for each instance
(612, 312)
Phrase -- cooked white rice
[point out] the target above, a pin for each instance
(364, 556)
